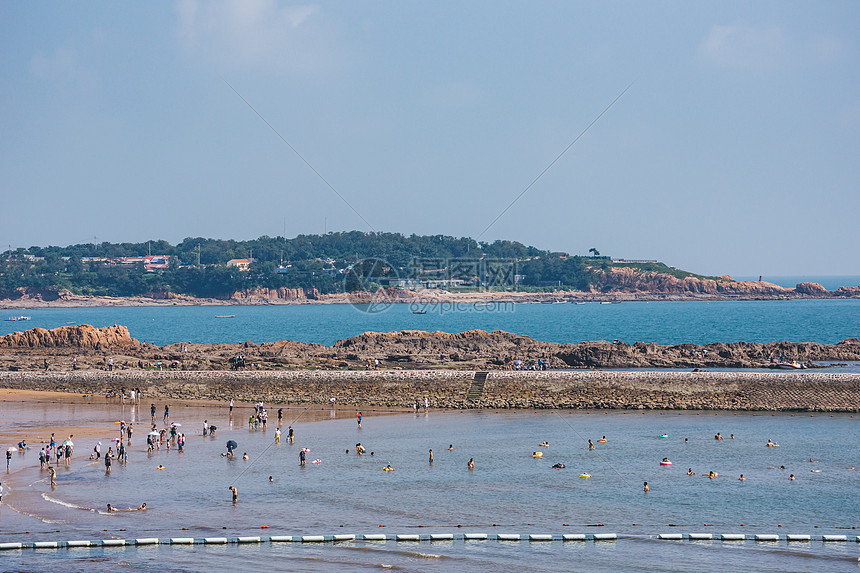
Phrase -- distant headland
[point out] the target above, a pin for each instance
(353, 267)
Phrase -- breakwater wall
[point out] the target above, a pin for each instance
(652, 390)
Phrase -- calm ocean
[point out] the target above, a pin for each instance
(823, 321)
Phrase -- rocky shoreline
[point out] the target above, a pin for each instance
(397, 368)
(447, 389)
(113, 348)
(620, 285)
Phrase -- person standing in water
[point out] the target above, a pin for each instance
(358, 419)
(431, 456)
(471, 464)
(290, 434)
(645, 488)
(235, 493)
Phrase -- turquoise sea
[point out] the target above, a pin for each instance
(823, 321)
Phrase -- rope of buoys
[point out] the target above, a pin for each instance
(473, 536)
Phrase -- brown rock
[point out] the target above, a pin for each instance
(83, 336)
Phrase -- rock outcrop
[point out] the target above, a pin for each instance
(85, 337)
(812, 289)
(407, 349)
(279, 294)
(626, 279)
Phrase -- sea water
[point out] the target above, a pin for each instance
(666, 322)
(509, 491)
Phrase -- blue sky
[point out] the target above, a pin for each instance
(735, 151)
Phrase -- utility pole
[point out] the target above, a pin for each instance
(198, 254)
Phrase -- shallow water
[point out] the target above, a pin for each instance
(520, 494)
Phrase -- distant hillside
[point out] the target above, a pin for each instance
(309, 265)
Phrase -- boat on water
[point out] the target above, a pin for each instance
(419, 312)
(792, 365)
(17, 318)
(225, 316)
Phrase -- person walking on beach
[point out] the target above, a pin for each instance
(358, 419)
(108, 457)
(166, 412)
(53, 475)
(231, 407)
(277, 435)
(128, 432)
(8, 459)
(280, 416)
(152, 412)
(1, 493)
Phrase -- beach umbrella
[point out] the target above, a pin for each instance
(153, 433)
(68, 443)
(177, 424)
(12, 449)
(232, 445)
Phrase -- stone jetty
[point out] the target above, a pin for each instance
(802, 391)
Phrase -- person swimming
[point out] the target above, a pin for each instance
(558, 466)
(742, 478)
(791, 477)
(645, 488)
(471, 464)
(590, 445)
(544, 444)
(690, 472)
(110, 509)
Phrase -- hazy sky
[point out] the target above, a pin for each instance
(736, 150)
